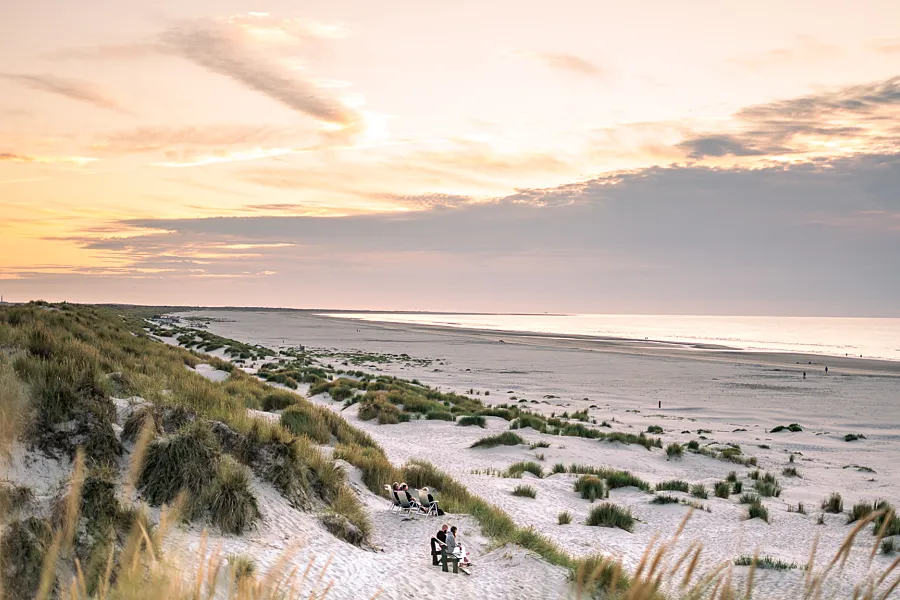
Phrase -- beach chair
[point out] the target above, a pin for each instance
(429, 507)
(406, 506)
(392, 499)
(440, 556)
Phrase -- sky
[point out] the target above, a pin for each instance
(691, 157)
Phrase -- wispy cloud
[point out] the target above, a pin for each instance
(561, 61)
(223, 49)
(106, 51)
(891, 46)
(274, 29)
(27, 159)
(805, 49)
(73, 89)
(163, 138)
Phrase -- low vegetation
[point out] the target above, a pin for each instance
(860, 510)
(748, 498)
(664, 499)
(833, 504)
(525, 491)
(852, 437)
(591, 487)
(507, 438)
(467, 420)
(698, 490)
(614, 478)
(790, 471)
(765, 562)
(610, 515)
(675, 451)
(793, 427)
(722, 489)
(564, 518)
(516, 469)
(674, 485)
(758, 511)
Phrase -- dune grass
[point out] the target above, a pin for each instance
(610, 515)
(468, 420)
(765, 562)
(591, 487)
(860, 510)
(757, 511)
(698, 490)
(507, 438)
(833, 504)
(664, 499)
(889, 546)
(675, 451)
(564, 518)
(793, 427)
(614, 478)
(516, 469)
(233, 507)
(674, 485)
(525, 491)
(737, 487)
(790, 471)
(722, 489)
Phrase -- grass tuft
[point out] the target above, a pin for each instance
(232, 505)
(758, 511)
(467, 420)
(674, 451)
(674, 485)
(833, 504)
(564, 518)
(526, 491)
(610, 515)
(591, 488)
(516, 469)
(698, 490)
(765, 562)
(722, 489)
(507, 438)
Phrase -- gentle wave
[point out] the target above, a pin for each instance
(833, 336)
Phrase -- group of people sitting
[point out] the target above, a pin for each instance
(423, 501)
(449, 539)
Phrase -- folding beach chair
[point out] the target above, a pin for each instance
(428, 504)
(406, 505)
(392, 499)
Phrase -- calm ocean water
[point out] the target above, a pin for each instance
(835, 336)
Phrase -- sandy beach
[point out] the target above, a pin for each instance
(733, 397)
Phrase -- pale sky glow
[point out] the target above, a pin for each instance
(196, 152)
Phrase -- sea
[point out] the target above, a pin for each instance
(871, 338)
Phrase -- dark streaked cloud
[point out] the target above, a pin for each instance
(10, 157)
(73, 89)
(222, 49)
(867, 112)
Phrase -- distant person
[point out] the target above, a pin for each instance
(804, 374)
(826, 368)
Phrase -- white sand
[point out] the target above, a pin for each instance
(721, 392)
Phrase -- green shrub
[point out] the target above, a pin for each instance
(527, 420)
(793, 427)
(186, 461)
(526, 491)
(674, 485)
(765, 562)
(591, 487)
(25, 543)
(748, 498)
(241, 566)
(516, 469)
(852, 437)
(664, 499)
(675, 451)
(507, 438)
(610, 515)
(655, 429)
(737, 487)
(732, 477)
(693, 445)
(440, 415)
(564, 518)
(698, 490)
(722, 489)
(466, 420)
(833, 504)
(860, 510)
(232, 505)
(278, 400)
(790, 472)
(304, 420)
(758, 511)
(767, 489)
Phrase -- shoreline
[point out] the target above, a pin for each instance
(661, 348)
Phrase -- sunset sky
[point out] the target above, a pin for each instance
(654, 156)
